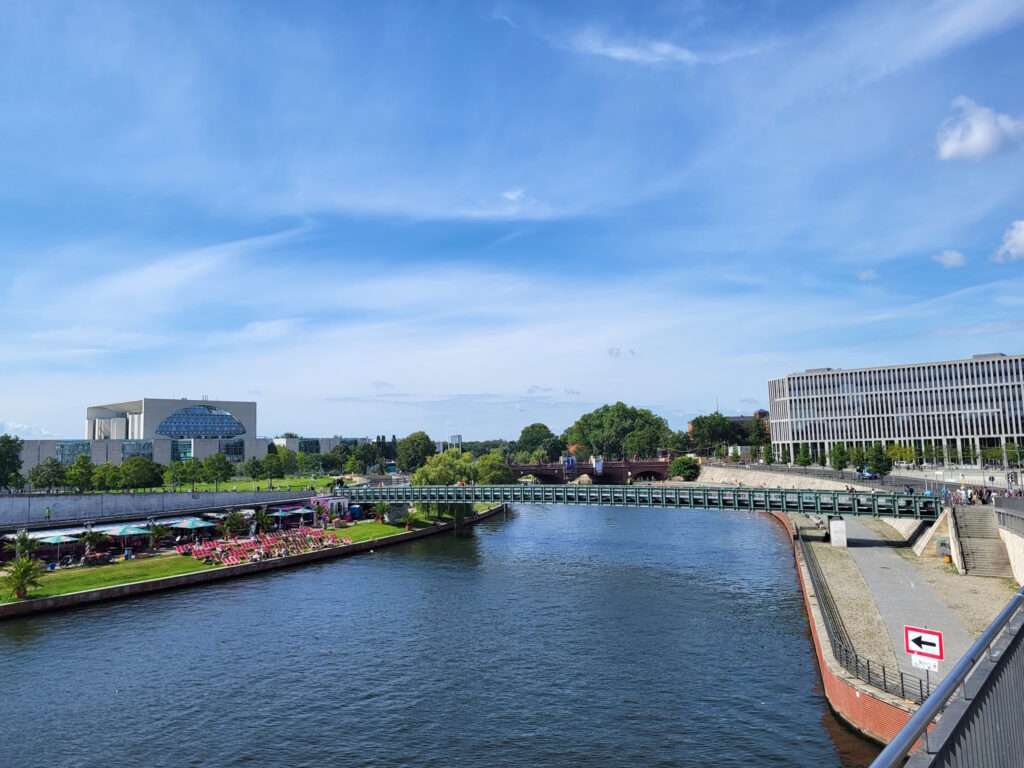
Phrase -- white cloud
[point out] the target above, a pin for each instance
(1012, 248)
(977, 132)
(867, 275)
(593, 41)
(23, 430)
(515, 194)
(950, 259)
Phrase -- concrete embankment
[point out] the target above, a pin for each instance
(30, 510)
(874, 713)
(38, 605)
(755, 478)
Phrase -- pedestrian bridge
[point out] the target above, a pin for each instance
(916, 507)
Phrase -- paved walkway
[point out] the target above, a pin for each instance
(904, 598)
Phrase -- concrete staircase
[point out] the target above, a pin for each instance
(983, 550)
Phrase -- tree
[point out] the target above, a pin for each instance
(734, 455)
(233, 524)
(92, 539)
(264, 522)
(309, 463)
(839, 457)
(492, 469)
(784, 455)
(768, 454)
(253, 469)
(970, 454)
(878, 460)
(292, 435)
(680, 442)
(217, 469)
(289, 462)
(803, 456)
(713, 430)
(858, 458)
(22, 544)
(603, 432)
(448, 468)
(23, 573)
(822, 458)
(10, 459)
(354, 466)
(757, 432)
(929, 453)
(175, 474)
(685, 467)
(106, 476)
(272, 467)
(140, 472)
(48, 474)
(755, 453)
(192, 470)
(537, 437)
(414, 450)
(79, 474)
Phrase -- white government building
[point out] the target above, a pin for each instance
(163, 430)
(948, 405)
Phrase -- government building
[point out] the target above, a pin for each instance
(159, 429)
(958, 411)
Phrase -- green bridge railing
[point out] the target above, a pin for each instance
(917, 507)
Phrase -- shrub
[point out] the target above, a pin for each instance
(685, 467)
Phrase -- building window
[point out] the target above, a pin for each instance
(309, 445)
(132, 448)
(234, 449)
(69, 450)
(200, 421)
(181, 450)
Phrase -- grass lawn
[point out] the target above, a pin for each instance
(293, 482)
(114, 574)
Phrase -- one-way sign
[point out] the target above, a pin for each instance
(923, 642)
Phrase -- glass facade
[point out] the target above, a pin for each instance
(130, 448)
(234, 449)
(945, 408)
(309, 445)
(181, 450)
(69, 450)
(200, 421)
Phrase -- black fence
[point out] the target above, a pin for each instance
(875, 674)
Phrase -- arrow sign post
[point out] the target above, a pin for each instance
(923, 642)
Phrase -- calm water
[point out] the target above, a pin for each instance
(562, 636)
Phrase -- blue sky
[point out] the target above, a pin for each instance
(381, 217)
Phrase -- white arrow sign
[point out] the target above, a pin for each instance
(923, 642)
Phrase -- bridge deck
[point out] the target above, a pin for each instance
(915, 506)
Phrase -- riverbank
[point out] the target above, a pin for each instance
(873, 713)
(211, 573)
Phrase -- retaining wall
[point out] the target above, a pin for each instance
(875, 714)
(756, 478)
(21, 510)
(39, 605)
(1015, 549)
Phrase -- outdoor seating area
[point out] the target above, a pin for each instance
(236, 551)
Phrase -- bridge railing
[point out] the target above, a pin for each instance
(716, 497)
(982, 721)
(875, 674)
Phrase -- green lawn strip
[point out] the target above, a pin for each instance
(114, 574)
(295, 483)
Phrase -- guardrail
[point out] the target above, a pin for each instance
(1010, 514)
(874, 674)
(982, 721)
(862, 503)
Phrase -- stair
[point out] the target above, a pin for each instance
(983, 550)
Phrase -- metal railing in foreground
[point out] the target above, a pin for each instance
(982, 722)
(874, 674)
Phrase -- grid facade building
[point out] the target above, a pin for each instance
(959, 410)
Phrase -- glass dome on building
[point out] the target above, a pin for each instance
(200, 421)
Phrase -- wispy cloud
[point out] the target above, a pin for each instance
(867, 275)
(1012, 248)
(950, 259)
(977, 132)
(593, 41)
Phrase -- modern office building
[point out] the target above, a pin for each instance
(160, 429)
(950, 411)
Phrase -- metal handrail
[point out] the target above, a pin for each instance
(917, 727)
(877, 675)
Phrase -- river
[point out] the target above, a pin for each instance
(560, 636)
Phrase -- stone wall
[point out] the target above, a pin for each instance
(1015, 549)
(30, 509)
(755, 478)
